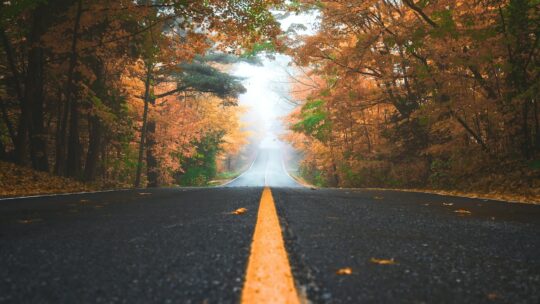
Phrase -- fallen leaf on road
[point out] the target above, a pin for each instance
(344, 271)
(239, 211)
(463, 212)
(383, 261)
(84, 201)
(145, 193)
(448, 204)
(492, 296)
(378, 197)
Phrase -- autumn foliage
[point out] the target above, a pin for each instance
(414, 93)
(121, 92)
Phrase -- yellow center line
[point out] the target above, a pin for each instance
(269, 278)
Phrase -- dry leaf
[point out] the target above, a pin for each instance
(493, 296)
(145, 193)
(448, 204)
(239, 211)
(463, 212)
(344, 271)
(29, 221)
(383, 261)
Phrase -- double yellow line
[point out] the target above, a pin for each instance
(269, 278)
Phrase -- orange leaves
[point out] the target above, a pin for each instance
(20, 181)
(349, 271)
(239, 211)
(453, 102)
(383, 261)
(462, 212)
(344, 271)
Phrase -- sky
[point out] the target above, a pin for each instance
(268, 86)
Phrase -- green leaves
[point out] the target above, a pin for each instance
(204, 78)
(446, 24)
(257, 48)
(12, 9)
(314, 120)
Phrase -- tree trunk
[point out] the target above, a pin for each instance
(35, 98)
(74, 144)
(7, 121)
(2, 150)
(19, 139)
(152, 171)
(60, 166)
(94, 148)
(518, 28)
(144, 125)
(526, 145)
(469, 130)
(536, 127)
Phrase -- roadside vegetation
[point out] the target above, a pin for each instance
(420, 94)
(132, 93)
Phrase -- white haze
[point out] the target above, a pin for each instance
(268, 86)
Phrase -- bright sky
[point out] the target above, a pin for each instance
(268, 86)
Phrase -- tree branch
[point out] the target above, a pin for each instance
(415, 8)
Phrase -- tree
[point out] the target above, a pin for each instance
(411, 85)
(76, 76)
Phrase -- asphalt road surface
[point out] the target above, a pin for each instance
(177, 245)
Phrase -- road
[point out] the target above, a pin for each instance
(186, 245)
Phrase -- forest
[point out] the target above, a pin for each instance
(438, 94)
(126, 93)
(420, 94)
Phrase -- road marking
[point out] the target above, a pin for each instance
(64, 194)
(269, 278)
(234, 179)
(289, 175)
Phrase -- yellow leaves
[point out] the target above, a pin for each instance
(349, 271)
(462, 212)
(239, 211)
(145, 193)
(383, 261)
(344, 271)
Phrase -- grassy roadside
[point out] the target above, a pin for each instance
(22, 181)
(224, 177)
(494, 195)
